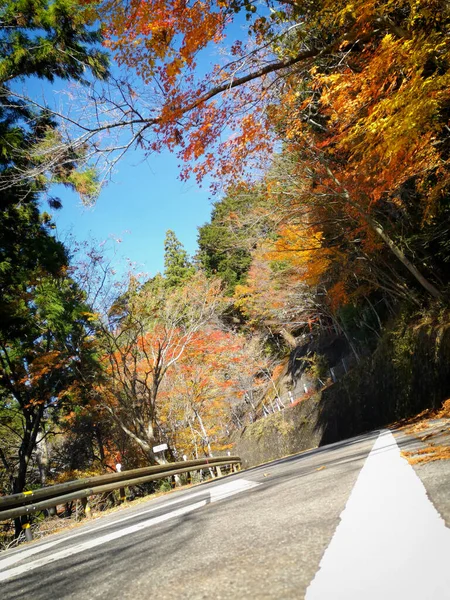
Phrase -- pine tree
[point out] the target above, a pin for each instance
(177, 265)
(43, 39)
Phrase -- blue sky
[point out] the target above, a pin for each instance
(144, 199)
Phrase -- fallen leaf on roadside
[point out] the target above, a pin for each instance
(429, 454)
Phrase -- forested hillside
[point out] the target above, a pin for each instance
(324, 129)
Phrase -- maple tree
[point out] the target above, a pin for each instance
(362, 86)
(324, 245)
(149, 330)
(219, 373)
(369, 138)
(199, 394)
(274, 299)
(163, 40)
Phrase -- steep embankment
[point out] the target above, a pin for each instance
(408, 372)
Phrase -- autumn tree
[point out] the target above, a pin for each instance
(199, 393)
(50, 367)
(363, 82)
(274, 298)
(220, 374)
(147, 334)
(361, 88)
(365, 146)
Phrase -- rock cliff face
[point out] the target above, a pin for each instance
(313, 363)
(408, 372)
(292, 430)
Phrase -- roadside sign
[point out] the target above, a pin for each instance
(160, 448)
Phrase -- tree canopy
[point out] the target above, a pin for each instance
(177, 265)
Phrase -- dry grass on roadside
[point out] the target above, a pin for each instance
(419, 422)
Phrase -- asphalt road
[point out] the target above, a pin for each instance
(349, 521)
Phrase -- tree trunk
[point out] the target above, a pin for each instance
(429, 287)
(99, 438)
(27, 447)
(207, 442)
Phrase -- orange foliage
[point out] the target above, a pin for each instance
(376, 70)
(198, 396)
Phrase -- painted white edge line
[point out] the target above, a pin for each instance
(391, 541)
(88, 544)
(218, 492)
(24, 553)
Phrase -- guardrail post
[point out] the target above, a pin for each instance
(87, 508)
(27, 529)
(188, 474)
(122, 495)
(52, 511)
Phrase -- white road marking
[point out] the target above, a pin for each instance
(235, 486)
(81, 547)
(21, 555)
(216, 493)
(391, 542)
(11, 560)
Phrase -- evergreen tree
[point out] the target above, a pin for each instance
(225, 243)
(46, 40)
(177, 265)
(46, 353)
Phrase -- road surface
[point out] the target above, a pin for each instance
(349, 521)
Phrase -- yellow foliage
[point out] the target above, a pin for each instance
(301, 246)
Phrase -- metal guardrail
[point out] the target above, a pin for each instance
(16, 500)
(26, 503)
